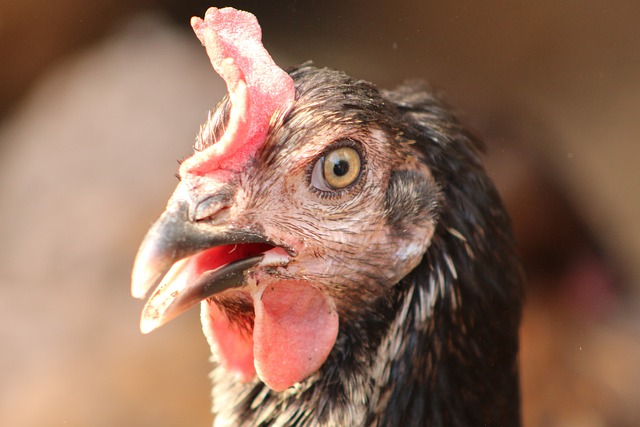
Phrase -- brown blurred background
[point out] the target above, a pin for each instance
(98, 99)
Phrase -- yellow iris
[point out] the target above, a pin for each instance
(341, 167)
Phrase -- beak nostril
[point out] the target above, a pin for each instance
(213, 213)
(210, 208)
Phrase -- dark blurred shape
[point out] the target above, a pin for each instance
(34, 34)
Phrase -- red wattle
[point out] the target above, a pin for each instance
(232, 345)
(295, 328)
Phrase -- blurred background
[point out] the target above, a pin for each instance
(98, 99)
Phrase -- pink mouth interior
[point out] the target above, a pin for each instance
(218, 256)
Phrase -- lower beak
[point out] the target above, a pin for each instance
(165, 252)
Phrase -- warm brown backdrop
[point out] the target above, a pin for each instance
(99, 98)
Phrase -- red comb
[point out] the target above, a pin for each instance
(257, 88)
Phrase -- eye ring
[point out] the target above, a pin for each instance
(338, 168)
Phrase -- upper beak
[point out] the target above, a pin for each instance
(164, 253)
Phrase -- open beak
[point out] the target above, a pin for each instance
(282, 325)
(188, 261)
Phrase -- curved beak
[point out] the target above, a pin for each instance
(165, 252)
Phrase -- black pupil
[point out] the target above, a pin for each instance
(340, 168)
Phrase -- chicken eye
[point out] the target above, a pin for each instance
(337, 169)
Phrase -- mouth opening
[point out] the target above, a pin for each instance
(202, 275)
(213, 258)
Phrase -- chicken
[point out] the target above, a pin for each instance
(353, 261)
